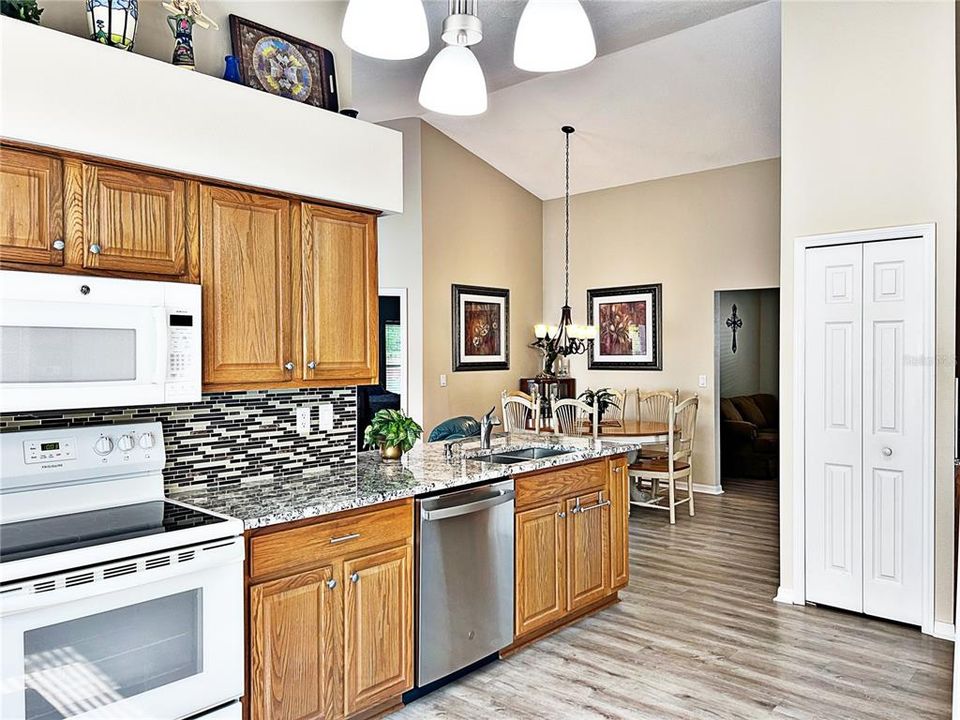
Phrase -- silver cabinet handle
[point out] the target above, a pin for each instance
(561, 515)
(312, 365)
(58, 245)
(344, 538)
(886, 452)
(331, 583)
(289, 366)
(355, 577)
(95, 249)
(594, 507)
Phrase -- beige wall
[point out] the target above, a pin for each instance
(316, 21)
(694, 233)
(479, 228)
(869, 140)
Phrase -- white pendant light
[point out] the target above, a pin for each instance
(553, 35)
(454, 83)
(386, 29)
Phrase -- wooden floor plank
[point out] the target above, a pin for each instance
(697, 635)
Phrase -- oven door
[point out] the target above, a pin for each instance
(162, 644)
(56, 355)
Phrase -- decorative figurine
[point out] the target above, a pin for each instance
(186, 14)
(113, 22)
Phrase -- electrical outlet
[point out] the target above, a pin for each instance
(303, 420)
(703, 381)
(443, 381)
(325, 417)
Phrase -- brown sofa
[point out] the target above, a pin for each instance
(749, 436)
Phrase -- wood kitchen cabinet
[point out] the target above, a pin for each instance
(340, 289)
(540, 597)
(31, 198)
(331, 615)
(619, 522)
(588, 549)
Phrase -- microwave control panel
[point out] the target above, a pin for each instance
(183, 356)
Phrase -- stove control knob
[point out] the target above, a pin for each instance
(103, 446)
(146, 441)
(125, 443)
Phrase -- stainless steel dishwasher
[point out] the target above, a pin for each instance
(464, 578)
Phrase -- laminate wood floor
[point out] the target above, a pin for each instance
(697, 635)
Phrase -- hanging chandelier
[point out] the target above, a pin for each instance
(566, 337)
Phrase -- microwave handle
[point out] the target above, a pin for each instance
(163, 344)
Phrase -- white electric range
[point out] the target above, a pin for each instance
(114, 602)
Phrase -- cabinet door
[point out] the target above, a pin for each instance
(134, 221)
(540, 567)
(588, 549)
(378, 627)
(293, 647)
(247, 287)
(339, 295)
(31, 207)
(619, 524)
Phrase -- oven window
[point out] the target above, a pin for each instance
(80, 665)
(67, 354)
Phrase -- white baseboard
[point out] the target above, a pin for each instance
(944, 631)
(784, 596)
(707, 489)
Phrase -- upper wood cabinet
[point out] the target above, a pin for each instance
(31, 208)
(248, 283)
(339, 251)
(293, 647)
(134, 221)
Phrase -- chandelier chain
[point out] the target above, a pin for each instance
(566, 240)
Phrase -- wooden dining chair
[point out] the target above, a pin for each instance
(677, 465)
(570, 417)
(616, 414)
(518, 408)
(654, 406)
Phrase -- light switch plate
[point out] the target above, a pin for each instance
(703, 381)
(443, 381)
(325, 416)
(303, 420)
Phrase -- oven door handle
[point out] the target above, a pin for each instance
(206, 555)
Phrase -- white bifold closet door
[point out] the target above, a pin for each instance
(864, 423)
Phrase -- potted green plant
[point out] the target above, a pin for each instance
(26, 10)
(393, 432)
(601, 399)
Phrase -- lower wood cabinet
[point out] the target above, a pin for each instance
(335, 640)
(571, 542)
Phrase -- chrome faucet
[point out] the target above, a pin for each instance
(487, 423)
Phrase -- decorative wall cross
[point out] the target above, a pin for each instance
(734, 323)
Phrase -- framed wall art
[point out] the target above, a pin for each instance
(481, 328)
(628, 321)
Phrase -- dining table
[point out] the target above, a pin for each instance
(642, 431)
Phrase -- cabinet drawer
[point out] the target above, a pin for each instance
(550, 485)
(309, 545)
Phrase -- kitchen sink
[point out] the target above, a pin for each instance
(510, 457)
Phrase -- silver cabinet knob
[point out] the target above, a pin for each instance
(886, 452)
(95, 249)
(312, 365)
(355, 577)
(561, 515)
(289, 366)
(58, 245)
(331, 583)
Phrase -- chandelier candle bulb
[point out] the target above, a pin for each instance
(540, 331)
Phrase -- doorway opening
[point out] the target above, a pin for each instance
(747, 372)
(391, 391)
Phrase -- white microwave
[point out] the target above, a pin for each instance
(71, 341)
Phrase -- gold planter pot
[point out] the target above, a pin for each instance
(391, 453)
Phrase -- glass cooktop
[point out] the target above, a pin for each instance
(44, 536)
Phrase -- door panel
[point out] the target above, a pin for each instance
(540, 567)
(293, 647)
(588, 549)
(339, 295)
(378, 627)
(833, 407)
(893, 429)
(619, 524)
(247, 287)
(134, 221)
(31, 207)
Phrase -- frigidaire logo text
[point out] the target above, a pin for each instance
(49, 467)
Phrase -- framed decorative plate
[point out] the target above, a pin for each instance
(481, 328)
(283, 65)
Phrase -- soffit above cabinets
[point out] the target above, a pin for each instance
(72, 94)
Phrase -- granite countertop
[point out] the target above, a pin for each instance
(264, 501)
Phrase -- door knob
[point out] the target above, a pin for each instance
(886, 452)
(95, 249)
(289, 366)
(58, 245)
(355, 577)
(331, 583)
(311, 365)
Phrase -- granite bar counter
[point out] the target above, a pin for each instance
(264, 501)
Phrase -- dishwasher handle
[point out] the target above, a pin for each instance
(502, 496)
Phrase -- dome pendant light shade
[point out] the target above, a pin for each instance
(454, 83)
(386, 29)
(553, 35)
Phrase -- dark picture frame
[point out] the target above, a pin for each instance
(622, 342)
(321, 91)
(483, 313)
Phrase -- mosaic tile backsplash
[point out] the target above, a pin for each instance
(229, 436)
